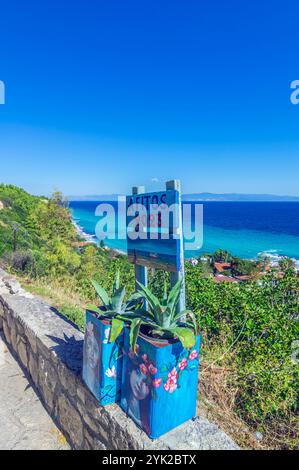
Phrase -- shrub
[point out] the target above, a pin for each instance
(21, 261)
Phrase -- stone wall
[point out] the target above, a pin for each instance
(50, 350)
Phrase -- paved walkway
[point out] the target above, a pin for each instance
(24, 423)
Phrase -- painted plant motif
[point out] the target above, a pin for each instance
(168, 375)
(92, 352)
(111, 389)
(111, 373)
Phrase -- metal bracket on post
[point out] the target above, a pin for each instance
(179, 275)
(140, 271)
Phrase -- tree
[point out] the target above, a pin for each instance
(264, 260)
(59, 199)
(222, 256)
(244, 267)
(286, 263)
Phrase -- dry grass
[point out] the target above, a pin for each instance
(217, 401)
(217, 392)
(63, 298)
(53, 292)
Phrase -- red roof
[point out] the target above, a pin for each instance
(220, 267)
(244, 277)
(222, 278)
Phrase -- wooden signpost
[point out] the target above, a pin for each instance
(162, 245)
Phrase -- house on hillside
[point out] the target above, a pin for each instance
(222, 278)
(220, 268)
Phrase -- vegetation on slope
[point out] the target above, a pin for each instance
(249, 376)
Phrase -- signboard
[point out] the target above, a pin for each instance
(154, 229)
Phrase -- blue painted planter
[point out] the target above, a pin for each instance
(102, 361)
(159, 384)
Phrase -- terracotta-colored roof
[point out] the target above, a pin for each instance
(222, 278)
(244, 277)
(220, 267)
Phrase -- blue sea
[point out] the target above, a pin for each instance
(246, 229)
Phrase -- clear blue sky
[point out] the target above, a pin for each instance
(102, 95)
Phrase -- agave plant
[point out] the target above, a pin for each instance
(162, 318)
(114, 307)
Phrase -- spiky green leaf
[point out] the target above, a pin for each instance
(94, 308)
(117, 326)
(102, 293)
(150, 297)
(173, 297)
(117, 299)
(134, 332)
(185, 335)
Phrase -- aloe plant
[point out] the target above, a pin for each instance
(163, 319)
(114, 307)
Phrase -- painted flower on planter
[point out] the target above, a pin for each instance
(152, 369)
(169, 374)
(193, 355)
(171, 385)
(111, 373)
(157, 382)
(143, 369)
(183, 364)
(144, 358)
(173, 374)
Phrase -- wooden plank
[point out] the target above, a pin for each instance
(179, 275)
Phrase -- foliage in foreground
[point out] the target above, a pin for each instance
(248, 329)
(256, 326)
(162, 319)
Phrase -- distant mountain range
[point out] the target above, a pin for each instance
(202, 197)
(239, 197)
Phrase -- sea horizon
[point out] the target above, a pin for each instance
(244, 228)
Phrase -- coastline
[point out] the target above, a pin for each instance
(85, 236)
(93, 239)
(274, 257)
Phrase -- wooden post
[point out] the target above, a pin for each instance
(140, 271)
(179, 275)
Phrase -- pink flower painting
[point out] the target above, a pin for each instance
(193, 355)
(171, 385)
(170, 378)
(144, 357)
(173, 375)
(183, 364)
(152, 369)
(143, 368)
(157, 383)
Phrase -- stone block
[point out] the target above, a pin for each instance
(6, 331)
(14, 336)
(33, 368)
(22, 352)
(70, 421)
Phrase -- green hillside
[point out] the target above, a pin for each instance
(249, 374)
(39, 243)
(36, 233)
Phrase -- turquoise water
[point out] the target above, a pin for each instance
(244, 229)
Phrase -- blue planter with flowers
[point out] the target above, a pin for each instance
(159, 383)
(102, 360)
(103, 344)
